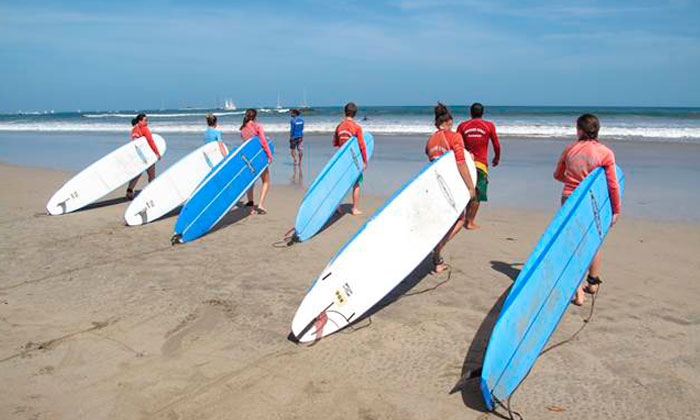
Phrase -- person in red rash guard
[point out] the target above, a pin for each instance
(476, 134)
(578, 160)
(249, 129)
(140, 129)
(346, 130)
(441, 142)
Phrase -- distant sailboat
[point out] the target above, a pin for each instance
(279, 108)
(229, 105)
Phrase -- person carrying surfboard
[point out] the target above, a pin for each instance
(296, 136)
(441, 142)
(347, 129)
(249, 129)
(213, 133)
(578, 160)
(476, 134)
(140, 129)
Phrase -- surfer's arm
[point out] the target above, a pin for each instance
(462, 166)
(263, 141)
(363, 146)
(496, 145)
(561, 167)
(149, 139)
(613, 185)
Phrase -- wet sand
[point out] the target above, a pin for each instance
(104, 321)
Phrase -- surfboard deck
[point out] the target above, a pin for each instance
(220, 190)
(105, 175)
(545, 286)
(330, 187)
(172, 188)
(390, 245)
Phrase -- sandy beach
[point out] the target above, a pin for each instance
(104, 321)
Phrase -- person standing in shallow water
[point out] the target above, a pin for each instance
(476, 134)
(249, 129)
(140, 129)
(213, 133)
(441, 142)
(296, 136)
(578, 160)
(346, 130)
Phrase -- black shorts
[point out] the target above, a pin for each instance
(296, 143)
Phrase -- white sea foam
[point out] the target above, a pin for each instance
(154, 115)
(679, 134)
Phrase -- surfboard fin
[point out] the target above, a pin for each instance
(470, 374)
(176, 239)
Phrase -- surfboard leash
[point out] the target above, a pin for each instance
(289, 239)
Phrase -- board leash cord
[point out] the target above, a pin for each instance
(513, 414)
(289, 239)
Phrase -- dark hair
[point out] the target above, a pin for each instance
(211, 120)
(589, 125)
(139, 118)
(294, 112)
(350, 109)
(442, 114)
(249, 115)
(134, 121)
(477, 110)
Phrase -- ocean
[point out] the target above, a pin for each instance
(618, 123)
(657, 147)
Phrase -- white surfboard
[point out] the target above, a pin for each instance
(173, 186)
(385, 250)
(105, 175)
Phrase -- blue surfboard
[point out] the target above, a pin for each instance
(221, 189)
(545, 286)
(330, 187)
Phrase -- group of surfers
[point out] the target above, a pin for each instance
(473, 136)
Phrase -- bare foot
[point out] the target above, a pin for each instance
(471, 226)
(355, 211)
(591, 289)
(579, 298)
(259, 210)
(439, 268)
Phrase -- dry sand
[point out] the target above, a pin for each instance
(103, 321)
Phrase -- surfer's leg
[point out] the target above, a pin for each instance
(130, 187)
(151, 171)
(580, 297)
(355, 199)
(593, 271)
(472, 208)
(440, 266)
(265, 187)
(300, 150)
(250, 195)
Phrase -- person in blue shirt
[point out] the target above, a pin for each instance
(213, 133)
(296, 136)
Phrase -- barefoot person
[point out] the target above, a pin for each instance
(441, 142)
(213, 133)
(346, 130)
(249, 129)
(578, 160)
(140, 129)
(476, 134)
(296, 136)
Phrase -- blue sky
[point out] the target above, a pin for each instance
(143, 54)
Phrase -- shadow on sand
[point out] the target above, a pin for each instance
(104, 203)
(469, 382)
(344, 209)
(402, 289)
(239, 213)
